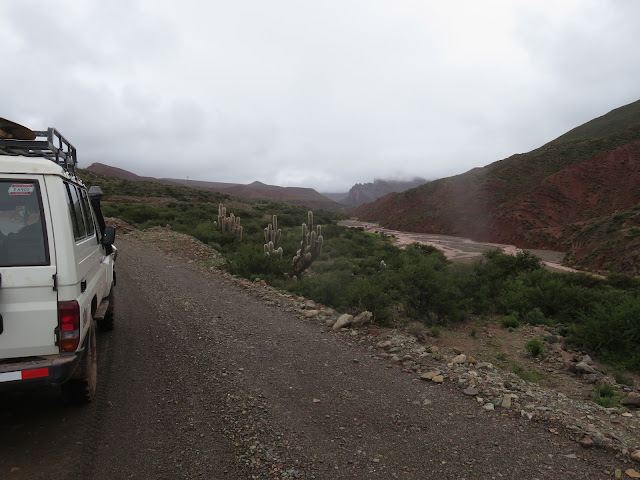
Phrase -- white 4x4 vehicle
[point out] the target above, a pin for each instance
(56, 266)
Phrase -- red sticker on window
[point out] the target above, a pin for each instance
(21, 189)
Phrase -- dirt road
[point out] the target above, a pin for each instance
(205, 379)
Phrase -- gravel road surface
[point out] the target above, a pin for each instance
(203, 379)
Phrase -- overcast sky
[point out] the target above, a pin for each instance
(322, 94)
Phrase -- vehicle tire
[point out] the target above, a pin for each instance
(106, 324)
(82, 388)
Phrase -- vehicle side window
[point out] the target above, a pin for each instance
(75, 210)
(86, 210)
(23, 236)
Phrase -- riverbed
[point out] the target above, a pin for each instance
(459, 249)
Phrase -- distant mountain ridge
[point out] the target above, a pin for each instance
(362, 193)
(253, 191)
(579, 193)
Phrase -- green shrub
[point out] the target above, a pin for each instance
(606, 396)
(534, 347)
(535, 317)
(612, 330)
(510, 321)
(531, 375)
(435, 332)
(368, 293)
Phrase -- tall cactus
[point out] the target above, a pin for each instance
(230, 224)
(311, 246)
(272, 236)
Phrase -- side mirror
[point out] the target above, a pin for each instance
(109, 236)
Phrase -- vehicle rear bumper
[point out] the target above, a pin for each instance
(34, 372)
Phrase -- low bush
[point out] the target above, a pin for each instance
(530, 375)
(606, 396)
(535, 317)
(534, 347)
(510, 321)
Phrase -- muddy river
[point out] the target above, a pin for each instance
(457, 248)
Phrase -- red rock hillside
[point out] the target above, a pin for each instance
(578, 196)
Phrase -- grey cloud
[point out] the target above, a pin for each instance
(326, 94)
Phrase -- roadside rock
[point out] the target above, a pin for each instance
(586, 442)
(631, 400)
(430, 375)
(343, 321)
(362, 319)
(471, 391)
(583, 367)
(462, 358)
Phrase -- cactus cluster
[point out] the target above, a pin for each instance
(272, 236)
(311, 246)
(230, 224)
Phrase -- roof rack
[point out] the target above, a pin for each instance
(48, 144)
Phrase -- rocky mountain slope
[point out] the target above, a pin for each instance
(362, 193)
(578, 193)
(254, 191)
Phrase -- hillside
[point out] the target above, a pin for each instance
(548, 198)
(362, 193)
(254, 191)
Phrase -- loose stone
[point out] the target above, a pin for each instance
(471, 391)
(462, 358)
(343, 321)
(430, 375)
(583, 367)
(631, 400)
(586, 442)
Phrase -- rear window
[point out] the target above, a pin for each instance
(75, 210)
(86, 211)
(22, 231)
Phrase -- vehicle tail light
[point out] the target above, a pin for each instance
(69, 324)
